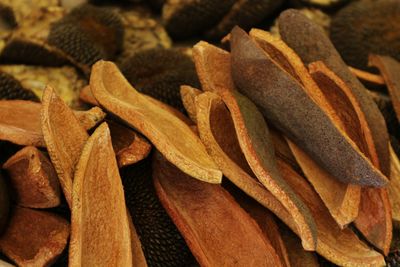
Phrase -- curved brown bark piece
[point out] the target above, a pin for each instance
(86, 96)
(390, 70)
(312, 44)
(374, 218)
(367, 76)
(188, 95)
(218, 134)
(394, 187)
(342, 200)
(128, 145)
(166, 131)
(100, 233)
(20, 121)
(217, 230)
(285, 103)
(340, 246)
(33, 178)
(34, 238)
(64, 137)
(213, 65)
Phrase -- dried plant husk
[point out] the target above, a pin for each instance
(4, 203)
(194, 206)
(138, 258)
(100, 232)
(34, 238)
(33, 178)
(128, 145)
(368, 77)
(374, 216)
(310, 42)
(86, 96)
(64, 138)
(394, 187)
(12, 89)
(213, 65)
(284, 101)
(165, 130)
(188, 95)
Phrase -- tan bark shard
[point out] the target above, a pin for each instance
(212, 65)
(33, 178)
(390, 69)
(217, 230)
(86, 96)
(128, 145)
(367, 76)
(394, 187)
(64, 137)
(34, 238)
(188, 95)
(169, 133)
(90, 118)
(100, 233)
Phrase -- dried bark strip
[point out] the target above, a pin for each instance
(64, 137)
(34, 238)
(33, 178)
(311, 43)
(394, 187)
(100, 232)
(374, 217)
(390, 69)
(207, 215)
(218, 134)
(20, 121)
(286, 104)
(86, 96)
(367, 76)
(169, 133)
(128, 145)
(188, 95)
(213, 67)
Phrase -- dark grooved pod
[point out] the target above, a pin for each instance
(10, 88)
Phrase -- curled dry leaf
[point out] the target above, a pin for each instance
(34, 238)
(188, 95)
(100, 233)
(311, 43)
(128, 145)
(374, 215)
(213, 65)
(33, 178)
(285, 103)
(168, 132)
(394, 187)
(64, 137)
(367, 76)
(197, 208)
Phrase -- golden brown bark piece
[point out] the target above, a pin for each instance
(367, 76)
(390, 70)
(34, 238)
(341, 247)
(213, 67)
(217, 230)
(188, 95)
(167, 132)
(64, 137)
(33, 178)
(100, 233)
(284, 101)
(128, 145)
(20, 121)
(138, 258)
(394, 187)
(312, 44)
(86, 96)
(342, 200)
(374, 218)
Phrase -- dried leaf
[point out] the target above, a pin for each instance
(168, 132)
(64, 137)
(188, 95)
(100, 233)
(33, 178)
(213, 65)
(197, 208)
(34, 238)
(285, 103)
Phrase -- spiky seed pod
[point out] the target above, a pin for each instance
(160, 72)
(183, 18)
(88, 33)
(366, 27)
(161, 241)
(10, 88)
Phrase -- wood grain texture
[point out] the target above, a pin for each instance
(171, 135)
(100, 232)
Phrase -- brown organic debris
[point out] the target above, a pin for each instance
(90, 118)
(86, 96)
(188, 95)
(100, 232)
(64, 138)
(394, 187)
(367, 76)
(196, 207)
(213, 65)
(33, 178)
(128, 145)
(138, 258)
(166, 130)
(34, 238)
